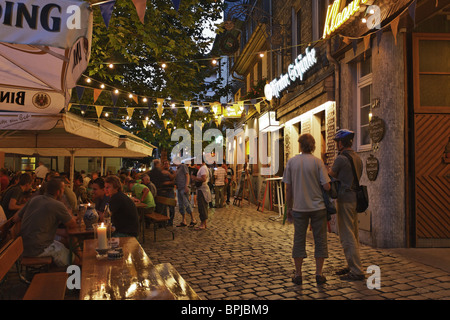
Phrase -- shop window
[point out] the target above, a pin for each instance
(319, 12)
(237, 95)
(255, 74)
(431, 73)
(296, 33)
(364, 98)
(27, 164)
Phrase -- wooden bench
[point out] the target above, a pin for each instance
(44, 286)
(31, 264)
(157, 218)
(5, 234)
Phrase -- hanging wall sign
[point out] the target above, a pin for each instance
(377, 129)
(296, 70)
(372, 167)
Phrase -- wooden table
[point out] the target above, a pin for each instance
(142, 210)
(77, 235)
(132, 277)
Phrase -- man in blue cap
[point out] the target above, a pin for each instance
(347, 217)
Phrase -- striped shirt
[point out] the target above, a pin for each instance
(220, 174)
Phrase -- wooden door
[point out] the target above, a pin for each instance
(432, 133)
(431, 69)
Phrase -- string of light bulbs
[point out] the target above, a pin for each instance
(173, 103)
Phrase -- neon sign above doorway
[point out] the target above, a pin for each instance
(296, 71)
(334, 19)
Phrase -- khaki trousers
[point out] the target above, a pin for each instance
(347, 220)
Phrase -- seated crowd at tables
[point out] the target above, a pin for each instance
(46, 206)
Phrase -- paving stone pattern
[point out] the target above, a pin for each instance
(246, 255)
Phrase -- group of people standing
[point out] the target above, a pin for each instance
(305, 178)
(45, 213)
(190, 181)
(45, 204)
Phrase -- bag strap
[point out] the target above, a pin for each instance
(355, 176)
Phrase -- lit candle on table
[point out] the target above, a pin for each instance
(102, 238)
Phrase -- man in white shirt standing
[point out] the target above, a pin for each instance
(203, 194)
(41, 171)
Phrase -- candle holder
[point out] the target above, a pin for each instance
(102, 237)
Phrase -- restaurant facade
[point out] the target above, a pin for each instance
(380, 69)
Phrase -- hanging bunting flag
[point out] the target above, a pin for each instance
(135, 98)
(241, 106)
(144, 123)
(219, 120)
(337, 43)
(97, 93)
(159, 108)
(114, 98)
(115, 111)
(355, 45)
(69, 106)
(165, 123)
(99, 110)
(412, 11)
(141, 6)
(258, 107)
(366, 42)
(216, 108)
(80, 91)
(379, 35)
(176, 4)
(169, 130)
(106, 9)
(394, 27)
(130, 112)
(346, 40)
(188, 108)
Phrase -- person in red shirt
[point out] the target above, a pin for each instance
(4, 180)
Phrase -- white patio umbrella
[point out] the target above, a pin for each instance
(67, 135)
(44, 49)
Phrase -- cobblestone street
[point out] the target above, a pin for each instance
(246, 255)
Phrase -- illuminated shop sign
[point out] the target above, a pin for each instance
(296, 71)
(335, 19)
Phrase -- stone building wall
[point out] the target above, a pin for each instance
(387, 225)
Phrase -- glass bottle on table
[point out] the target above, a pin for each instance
(80, 210)
(107, 220)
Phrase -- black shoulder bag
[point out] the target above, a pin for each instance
(362, 197)
(329, 204)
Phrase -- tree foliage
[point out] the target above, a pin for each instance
(137, 51)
